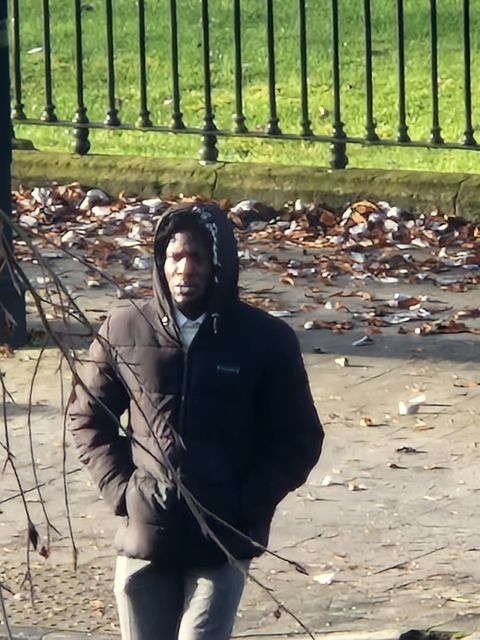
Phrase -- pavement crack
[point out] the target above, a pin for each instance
(377, 375)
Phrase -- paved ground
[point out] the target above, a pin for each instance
(387, 525)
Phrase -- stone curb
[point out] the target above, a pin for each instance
(31, 633)
(454, 194)
(35, 633)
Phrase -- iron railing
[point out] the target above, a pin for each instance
(308, 14)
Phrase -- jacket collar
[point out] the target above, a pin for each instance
(181, 320)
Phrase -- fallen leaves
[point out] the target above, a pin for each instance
(365, 295)
(363, 241)
(331, 325)
(263, 302)
(328, 481)
(445, 327)
(288, 280)
(421, 425)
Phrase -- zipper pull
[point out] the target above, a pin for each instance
(215, 318)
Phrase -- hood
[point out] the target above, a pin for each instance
(224, 255)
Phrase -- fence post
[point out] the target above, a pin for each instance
(12, 302)
(81, 143)
(208, 151)
(338, 155)
(468, 134)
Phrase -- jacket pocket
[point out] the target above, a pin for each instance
(258, 508)
(149, 500)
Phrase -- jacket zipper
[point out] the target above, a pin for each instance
(181, 419)
(186, 362)
(183, 394)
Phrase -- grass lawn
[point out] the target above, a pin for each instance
(417, 51)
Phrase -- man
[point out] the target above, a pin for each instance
(221, 427)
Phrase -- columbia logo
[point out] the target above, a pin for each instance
(225, 368)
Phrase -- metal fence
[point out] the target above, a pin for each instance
(337, 133)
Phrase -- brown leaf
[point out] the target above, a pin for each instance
(340, 327)
(224, 204)
(364, 207)
(6, 351)
(352, 486)
(33, 536)
(44, 552)
(366, 421)
(407, 303)
(421, 425)
(236, 220)
(450, 326)
(357, 217)
(466, 314)
(469, 384)
(327, 218)
(433, 467)
(457, 287)
(365, 295)
(261, 302)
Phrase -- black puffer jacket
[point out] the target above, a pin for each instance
(233, 416)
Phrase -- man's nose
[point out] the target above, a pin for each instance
(186, 266)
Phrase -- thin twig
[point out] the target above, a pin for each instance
(65, 493)
(32, 453)
(4, 611)
(402, 562)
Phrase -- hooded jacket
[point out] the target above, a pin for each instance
(230, 422)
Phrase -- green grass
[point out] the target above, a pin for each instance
(254, 70)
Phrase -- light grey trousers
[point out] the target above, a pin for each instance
(185, 605)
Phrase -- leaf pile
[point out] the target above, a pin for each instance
(364, 242)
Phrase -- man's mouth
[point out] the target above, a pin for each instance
(185, 288)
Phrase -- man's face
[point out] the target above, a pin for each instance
(188, 271)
